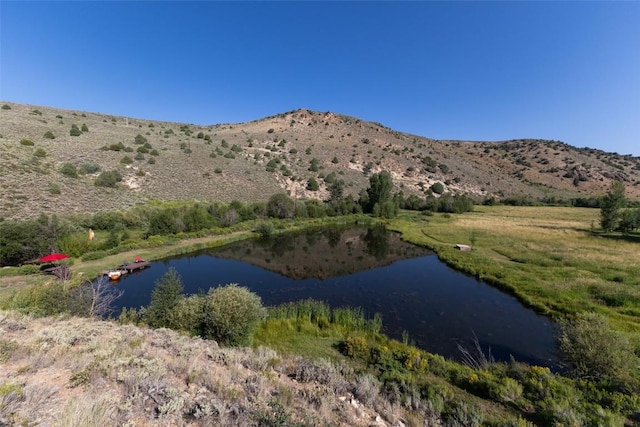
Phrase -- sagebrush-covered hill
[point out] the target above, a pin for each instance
(253, 160)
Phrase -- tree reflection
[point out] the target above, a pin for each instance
(377, 240)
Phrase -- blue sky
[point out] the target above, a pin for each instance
(568, 71)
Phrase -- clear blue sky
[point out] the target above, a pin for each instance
(568, 71)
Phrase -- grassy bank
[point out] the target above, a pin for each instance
(549, 257)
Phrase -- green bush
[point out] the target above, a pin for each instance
(594, 351)
(126, 160)
(75, 131)
(114, 147)
(232, 314)
(264, 228)
(139, 139)
(108, 179)
(26, 142)
(312, 184)
(280, 206)
(49, 135)
(40, 153)
(84, 128)
(70, 170)
(437, 188)
(87, 168)
(6, 107)
(54, 189)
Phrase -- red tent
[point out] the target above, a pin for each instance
(53, 257)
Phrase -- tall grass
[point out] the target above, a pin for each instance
(321, 315)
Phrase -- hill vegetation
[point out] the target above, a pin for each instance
(61, 161)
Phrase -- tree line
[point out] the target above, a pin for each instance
(25, 241)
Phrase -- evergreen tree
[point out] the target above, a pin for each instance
(165, 298)
(610, 206)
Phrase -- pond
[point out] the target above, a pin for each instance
(373, 269)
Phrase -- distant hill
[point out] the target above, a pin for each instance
(250, 161)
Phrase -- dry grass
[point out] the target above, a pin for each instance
(78, 372)
(186, 169)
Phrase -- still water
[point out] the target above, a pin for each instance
(374, 269)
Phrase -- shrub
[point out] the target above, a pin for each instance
(232, 314)
(108, 179)
(270, 130)
(40, 153)
(152, 160)
(139, 156)
(126, 160)
(271, 165)
(280, 206)
(84, 128)
(6, 107)
(87, 168)
(312, 184)
(114, 147)
(49, 135)
(70, 170)
(54, 189)
(335, 160)
(264, 228)
(594, 351)
(75, 131)
(437, 188)
(139, 139)
(26, 142)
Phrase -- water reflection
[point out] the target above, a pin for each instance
(373, 269)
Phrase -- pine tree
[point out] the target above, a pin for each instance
(610, 206)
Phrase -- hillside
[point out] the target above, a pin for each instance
(43, 168)
(60, 372)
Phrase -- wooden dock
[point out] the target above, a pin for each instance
(134, 266)
(126, 268)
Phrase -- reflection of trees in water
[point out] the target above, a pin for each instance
(280, 244)
(333, 236)
(377, 240)
(323, 252)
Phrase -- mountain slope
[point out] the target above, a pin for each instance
(251, 161)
